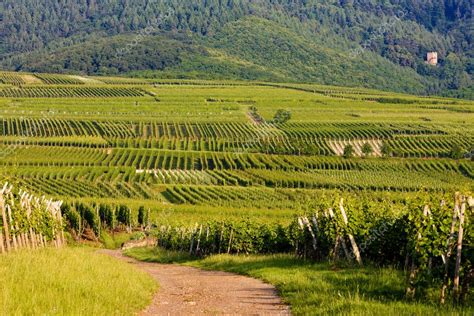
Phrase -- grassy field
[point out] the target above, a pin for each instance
(318, 288)
(71, 281)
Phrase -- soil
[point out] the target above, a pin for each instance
(191, 291)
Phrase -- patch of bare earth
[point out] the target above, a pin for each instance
(30, 79)
(337, 146)
(86, 79)
(191, 291)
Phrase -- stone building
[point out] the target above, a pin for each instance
(432, 58)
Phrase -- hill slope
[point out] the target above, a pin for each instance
(389, 40)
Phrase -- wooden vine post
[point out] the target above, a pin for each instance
(199, 240)
(230, 240)
(459, 250)
(339, 241)
(447, 254)
(313, 236)
(355, 248)
(220, 238)
(3, 192)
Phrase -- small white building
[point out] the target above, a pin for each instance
(432, 58)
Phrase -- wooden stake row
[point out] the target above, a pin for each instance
(304, 223)
(12, 236)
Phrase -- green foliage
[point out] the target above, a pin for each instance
(123, 215)
(453, 73)
(90, 217)
(141, 216)
(457, 152)
(73, 219)
(367, 149)
(386, 150)
(387, 233)
(348, 151)
(114, 240)
(268, 40)
(281, 116)
(106, 215)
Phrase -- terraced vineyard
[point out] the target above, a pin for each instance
(213, 148)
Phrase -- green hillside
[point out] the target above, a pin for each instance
(350, 42)
(251, 48)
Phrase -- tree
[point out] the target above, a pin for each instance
(348, 151)
(281, 116)
(386, 150)
(453, 72)
(367, 149)
(456, 152)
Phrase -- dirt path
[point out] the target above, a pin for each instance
(190, 291)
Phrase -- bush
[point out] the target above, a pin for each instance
(281, 116)
(386, 150)
(348, 151)
(367, 149)
(456, 152)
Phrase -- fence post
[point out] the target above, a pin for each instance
(220, 238)
(9, 214)
(199, 240)
(313, 236)
(2, 246)
(446, 255)
(339, 241)
(230, 239)
(4, 218)
(459, 250)
(355, 249)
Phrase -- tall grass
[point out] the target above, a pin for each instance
(71, 281)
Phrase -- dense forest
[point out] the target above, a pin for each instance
(349, 42)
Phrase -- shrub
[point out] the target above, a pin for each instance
(386, 150)
(367, 149)
(348, 151)
(281, 116)
(456, 152)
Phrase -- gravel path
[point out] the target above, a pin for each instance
(191, 291)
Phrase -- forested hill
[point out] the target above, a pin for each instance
(380, 44)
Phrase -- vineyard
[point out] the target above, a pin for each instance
(28, 221)
(216, 170)
(198, 143)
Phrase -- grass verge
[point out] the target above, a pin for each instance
(318, 288)
(71, 281)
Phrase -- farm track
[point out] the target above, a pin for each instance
(191, 291)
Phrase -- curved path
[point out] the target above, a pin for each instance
(191, 291)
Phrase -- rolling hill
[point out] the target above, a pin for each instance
(351, 43)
